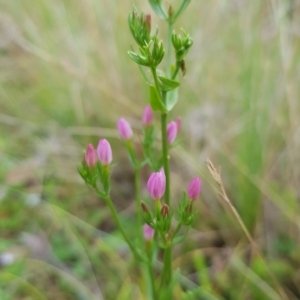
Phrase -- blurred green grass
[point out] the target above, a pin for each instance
(66, 78)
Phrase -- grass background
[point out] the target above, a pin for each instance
(65, 80)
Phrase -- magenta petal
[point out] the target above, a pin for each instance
(90, 156)
(148, 232)
(172, 132)
(147, 116)
(104, 152)
(194, 189)
(124, 129)
(156, 185)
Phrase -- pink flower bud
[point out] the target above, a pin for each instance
(147, 116)
(148, 232)
(156, 184)
(172, 132)
(194, 189)
(124, 129)
(104, 152)
(178, 123)
(90, 156)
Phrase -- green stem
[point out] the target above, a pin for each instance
(176, 70)
(165, 153)
(119, 225)
(176, 230)
(169, 56)
(150, 269)
(151, 274)
(167, 271)
(137, 202)
(153, 70)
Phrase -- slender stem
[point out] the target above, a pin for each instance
(167, 265)
(165, 155)
(176, 70)
(167, 271)
(119, 225)
(170, 29)
(176, 230)
(137, 202)
(153, 70)
(151, 274)
(150, 269)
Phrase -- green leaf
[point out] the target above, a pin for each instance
(172, 98)
(156, 6)
(168, 84)
(141, 60)
(178, 239)
(155, 100)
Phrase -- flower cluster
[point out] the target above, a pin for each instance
(156, 184)
(104, 154)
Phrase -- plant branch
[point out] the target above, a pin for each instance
(118, 223)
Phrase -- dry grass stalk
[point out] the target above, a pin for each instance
(216, 174)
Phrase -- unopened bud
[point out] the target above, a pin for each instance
(148, 22)
(164, 210)
(189, 208)
(90, 156)
(194, 189)
(183, 67)
(144, 208)
(156, 184)
(172, 132)
(170, 11)
(147, 115)
(124, 129)
(104, 152)
(178, 123)
(148, 232)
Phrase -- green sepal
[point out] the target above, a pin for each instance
(163, 223)
(147, 215)
(143, 51)
(104, 176)
(186, 214)
(139, 59)
(155, 100)
(88, 174)
(168, 84)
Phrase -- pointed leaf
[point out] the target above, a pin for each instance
(155, 100)
(172, 98)
(168, 84)
(156, 6)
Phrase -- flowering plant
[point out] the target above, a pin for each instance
(155, 223)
